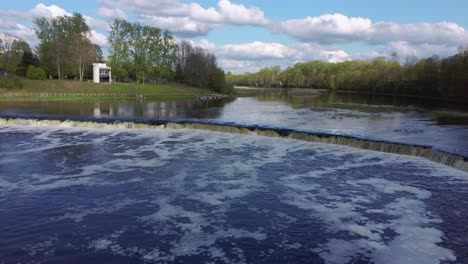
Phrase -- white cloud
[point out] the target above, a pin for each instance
(7, 23)
(338, 28)
(41, 10)
(239, 14)
(258, 50)
(250, 57)
(308, 52)
(96, 24)
(24, 33)
(328, 28)
(182, 26)
(430, 33)
(10, 21)
(186, 20)
(98, 38)
(406, 49)
(111, 13)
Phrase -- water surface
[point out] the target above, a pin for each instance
(399, 119)
(166, 196)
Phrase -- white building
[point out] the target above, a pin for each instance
(101, 73)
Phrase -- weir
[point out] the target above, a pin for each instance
(453, 160)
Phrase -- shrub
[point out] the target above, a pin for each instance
(35, 73)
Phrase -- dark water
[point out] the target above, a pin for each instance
(164, 196)
(398, 119)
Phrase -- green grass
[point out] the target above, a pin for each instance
(74, 90)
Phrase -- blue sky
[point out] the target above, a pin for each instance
(250, 34)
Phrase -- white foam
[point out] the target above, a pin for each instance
(346, 212)
(343, 204)
(101, 244)
(44, 248)
(78, 214)
(389, 187)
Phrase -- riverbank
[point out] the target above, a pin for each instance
(245, 91)
(50, 90)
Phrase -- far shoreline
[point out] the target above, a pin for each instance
(312, 91)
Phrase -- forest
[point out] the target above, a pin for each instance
(147, 53)
(137, 52)
(16, 56)
(432, 76)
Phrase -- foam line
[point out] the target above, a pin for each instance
(428, 152)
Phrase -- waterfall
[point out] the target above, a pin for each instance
(446, 158)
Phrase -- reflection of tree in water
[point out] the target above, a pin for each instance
(180, 109)
(128, 108)
(354, 101)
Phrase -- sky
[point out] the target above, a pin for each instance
(247, 35)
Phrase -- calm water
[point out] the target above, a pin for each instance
(185, 196)
(396, 119)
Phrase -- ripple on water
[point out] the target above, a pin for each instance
(190, 196)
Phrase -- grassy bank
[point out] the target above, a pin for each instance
(74, 90)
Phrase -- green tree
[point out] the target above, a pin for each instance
(119, 47)
(80, 34)
(34, 73)
(27, 59)
(64, 45)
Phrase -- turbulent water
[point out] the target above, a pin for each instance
(393, 119)
(187, 196)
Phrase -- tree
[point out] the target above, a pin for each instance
(51, 43)
(395, 57)
(195, 66)
(80, 34)
(166, 56)
(6, 48)
(97, 54)
(64, 45)
(119, 47)
(13, 50)
(34, 73)
(27, 59)
(146, 52)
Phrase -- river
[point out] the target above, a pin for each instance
(187, 196)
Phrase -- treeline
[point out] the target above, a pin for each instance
(141, 52)
(146, 53)
(17, 58)
(426, 77)
(16, 55)
(197, 67)
(65, 49)
(136, 52)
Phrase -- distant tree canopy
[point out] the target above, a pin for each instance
(65, 48)
(148, 53)
(141, 51)
(197, 67)
(136, 51)
(428, 77)
(16, 55)
(27, 59)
